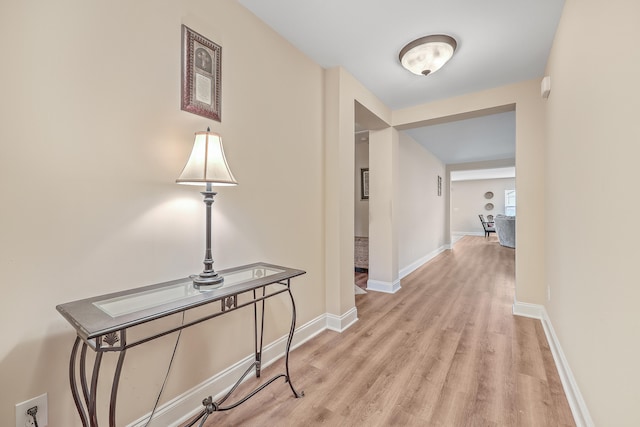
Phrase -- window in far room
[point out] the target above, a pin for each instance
(510, 202)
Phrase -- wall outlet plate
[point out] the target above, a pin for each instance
(24, 420)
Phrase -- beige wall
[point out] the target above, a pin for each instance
(361, 217)
(592, 175)
(421, 211)
(383, 207)
(92, 139)
(468, 201)
(91, 142)
(341, 93)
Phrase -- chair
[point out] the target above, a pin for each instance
(489, 227)
(506, 230)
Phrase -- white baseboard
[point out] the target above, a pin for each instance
(577, 404)
(341, 323)
(461, 234)
(535, 311)
(184, 407)
(420, 262)
(380, 286)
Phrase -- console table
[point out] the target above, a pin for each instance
(102, 322)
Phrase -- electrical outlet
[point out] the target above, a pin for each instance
(25, 420)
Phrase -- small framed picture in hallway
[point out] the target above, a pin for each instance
(439, 185)
(364, 184)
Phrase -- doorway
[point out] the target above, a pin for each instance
(361, 210)
(365, 122)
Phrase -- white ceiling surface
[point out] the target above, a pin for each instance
(472, 140)
(499, 42)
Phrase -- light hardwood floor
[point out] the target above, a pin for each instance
(443, 351)
(361, 279)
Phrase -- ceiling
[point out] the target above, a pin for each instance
(471, 140)
(499, 42)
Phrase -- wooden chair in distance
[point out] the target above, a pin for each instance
(488, 226)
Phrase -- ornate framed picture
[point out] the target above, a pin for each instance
(201, 80)
(364, 184)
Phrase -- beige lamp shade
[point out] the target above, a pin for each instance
(207, 163)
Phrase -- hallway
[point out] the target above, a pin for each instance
(445, 350)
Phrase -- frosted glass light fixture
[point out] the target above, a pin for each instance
(427, 55)
(207, 166)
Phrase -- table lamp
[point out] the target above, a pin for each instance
(208, 166)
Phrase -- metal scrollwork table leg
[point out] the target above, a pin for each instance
(86, 403)
(85, 392)
(210, 406)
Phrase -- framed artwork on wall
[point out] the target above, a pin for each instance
(364, 184)
(439, 185)
(201, 79)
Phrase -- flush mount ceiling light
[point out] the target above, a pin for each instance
(427, 55)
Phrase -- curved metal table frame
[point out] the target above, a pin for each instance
(102, 322)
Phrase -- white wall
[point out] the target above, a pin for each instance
(421, 211)
(468, 201)
(592, 174)
(91, 142)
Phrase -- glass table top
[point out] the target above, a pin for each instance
(127, 304)
(92, 317)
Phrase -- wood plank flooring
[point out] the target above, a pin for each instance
(361, 279)
(443, 351)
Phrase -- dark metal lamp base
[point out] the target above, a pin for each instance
(207, 280)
